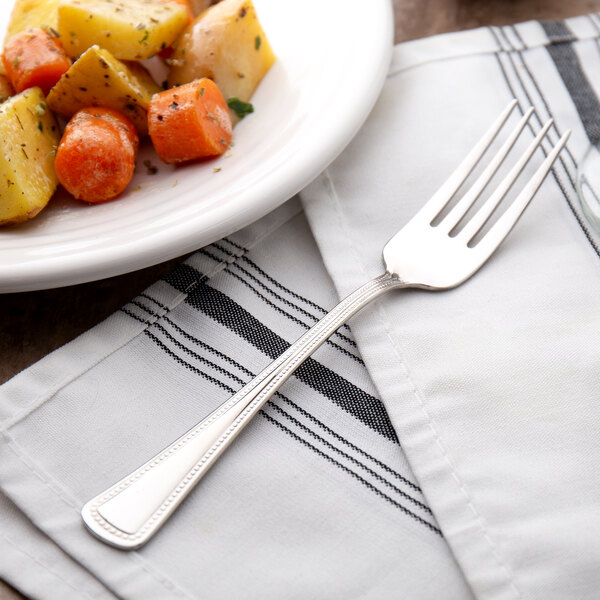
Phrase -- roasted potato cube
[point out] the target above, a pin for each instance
(98, 79)
(32, 13)
(227, 44)
(128, 29)
(30, 136)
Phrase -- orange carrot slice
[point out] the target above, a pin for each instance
(189, 122)
(95, 159)
(35, 58)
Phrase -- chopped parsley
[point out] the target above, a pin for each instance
(241, 109)
(257, 42)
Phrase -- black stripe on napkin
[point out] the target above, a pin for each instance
(518, 71)
(281, 311)
(224, 310)
(229, 361)
(519, 68)
(571, 72)
(522, 71)
(239, 381)
(270, 284)
(557, 32)
(244, 258)
(304, 442)
(364, 482)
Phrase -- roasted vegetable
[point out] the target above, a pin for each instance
(32, 13)
(29, 137)
(168, 52)
(6, 90)
(128, 29)
(199, 6)
(34, 58)
(227, 44)
(189, 122)
(96, 155)
(188, 7)
(99, 79)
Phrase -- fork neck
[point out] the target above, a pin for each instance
(372, 289)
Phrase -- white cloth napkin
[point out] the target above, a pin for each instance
(314, 500)
(490, 388)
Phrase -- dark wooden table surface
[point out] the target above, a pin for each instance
(33, 324)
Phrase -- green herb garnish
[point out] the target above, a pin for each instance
(241, 109)
(257, 42)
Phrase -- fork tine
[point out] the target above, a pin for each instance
(452, 219)
(507, 221)
(443, 195)
(484, 213)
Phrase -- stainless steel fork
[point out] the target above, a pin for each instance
(427, 253)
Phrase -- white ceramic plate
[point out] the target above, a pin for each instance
(332, 59)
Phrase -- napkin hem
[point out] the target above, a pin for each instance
(444, 461)
(427, 454)
(16, 466)
(11, 549)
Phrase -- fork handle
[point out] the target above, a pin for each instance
(129, 513)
